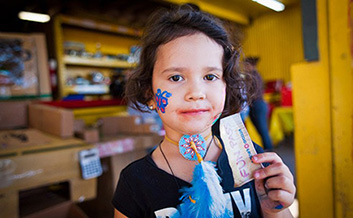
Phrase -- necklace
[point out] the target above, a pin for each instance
(208, 147)
(176, 143)
(170, 168)
(191, 147)
(168, 164)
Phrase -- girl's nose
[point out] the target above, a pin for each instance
(195, 92)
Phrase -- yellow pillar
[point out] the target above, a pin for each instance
(340, 59)
(323, 115)
(312, 118)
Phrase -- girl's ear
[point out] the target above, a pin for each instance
(151, 104)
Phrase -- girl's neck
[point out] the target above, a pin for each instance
(173, 137)
(171, 144)
(213, 150)
(177, 142)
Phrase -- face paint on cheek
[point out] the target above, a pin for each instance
(162, 99)
(216, 118)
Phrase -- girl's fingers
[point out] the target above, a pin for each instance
(260, 188)
(267, 157)
(280, 182)
(278, 168)
(274, 183)
(283, 197)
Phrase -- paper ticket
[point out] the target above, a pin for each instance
(239, 148)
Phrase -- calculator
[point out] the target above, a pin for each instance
(90, 163)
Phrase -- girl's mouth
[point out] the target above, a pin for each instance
(194, 111)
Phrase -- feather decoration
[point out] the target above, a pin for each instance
(205, 197)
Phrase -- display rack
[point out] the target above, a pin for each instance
(92, 62)
(114, 39)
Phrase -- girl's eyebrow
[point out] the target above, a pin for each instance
(208, 69)
(181, 69)
(173, 69)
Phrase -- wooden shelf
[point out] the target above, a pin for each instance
(101, 26)
(115, 39)
(96, 89)
(97, 62)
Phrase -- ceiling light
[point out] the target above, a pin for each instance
(36, 17)
(273, 4)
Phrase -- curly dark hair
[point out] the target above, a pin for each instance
(166, 25)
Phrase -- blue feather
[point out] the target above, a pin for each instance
(207, 194)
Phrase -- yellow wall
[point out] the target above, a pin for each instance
(323, 115)
(277, 39)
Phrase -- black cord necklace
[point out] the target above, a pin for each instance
(170, 168)
(166, 160)
(208, 147)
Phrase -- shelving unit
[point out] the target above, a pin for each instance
(93, 62)
(114, 40)
(93, 89)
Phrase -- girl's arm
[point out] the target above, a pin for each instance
(117, 214)
(274, 185)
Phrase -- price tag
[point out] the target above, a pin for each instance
(239, 149)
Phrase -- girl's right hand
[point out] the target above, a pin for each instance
(274, 185)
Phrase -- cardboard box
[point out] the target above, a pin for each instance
(13, 114)
(53, 120)
(79, 125)
(119, 124)
(64, 210)
(126, 125)
(110, 146)
(148, 128)
(88, 135)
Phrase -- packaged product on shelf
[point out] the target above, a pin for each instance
(24, 65)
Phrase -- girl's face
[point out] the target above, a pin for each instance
(188, 84)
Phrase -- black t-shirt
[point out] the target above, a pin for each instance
(144, 190)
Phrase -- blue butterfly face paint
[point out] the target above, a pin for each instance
(162, 99)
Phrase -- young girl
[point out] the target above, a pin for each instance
(188, 72)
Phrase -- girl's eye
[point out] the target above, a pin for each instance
(175, 78)
(210, 77)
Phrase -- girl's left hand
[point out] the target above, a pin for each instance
(274, 184)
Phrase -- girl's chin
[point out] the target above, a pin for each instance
(195, 131)
(191, 128)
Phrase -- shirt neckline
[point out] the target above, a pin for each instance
(183, 182)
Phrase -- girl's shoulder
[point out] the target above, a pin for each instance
(138, 166)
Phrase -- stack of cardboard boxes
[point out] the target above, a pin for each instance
(47, 152)
(31, 158)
